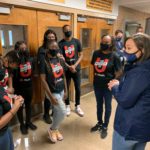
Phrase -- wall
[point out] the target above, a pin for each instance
(127, 14)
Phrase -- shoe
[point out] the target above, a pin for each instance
(31, 126)
(79, 111)
(59, 135)
(47, 119)
(52, 135)
(103, 132)
(68, 110)
(23, 129)
(96, 127)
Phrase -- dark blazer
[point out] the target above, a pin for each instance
(132, 118)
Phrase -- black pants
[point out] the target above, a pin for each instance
(26, 93)
(77, 81)
(103, 95)
(47, 106)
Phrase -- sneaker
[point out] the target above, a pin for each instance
(59, 136)
(96, 127)
(47, 119)
(31, 126)
(103, 132)
(23, 129)
(68, 110)
(79, 111)
(52, 135)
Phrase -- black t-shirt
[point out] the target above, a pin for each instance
(5, 106)
(70, 50)
(105, 66)
(22, 76)
(54, 70)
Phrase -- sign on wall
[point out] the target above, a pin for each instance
(104, 5)
(60, 1)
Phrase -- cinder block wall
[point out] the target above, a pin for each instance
(129, 15)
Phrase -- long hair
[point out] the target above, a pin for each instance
(45, 40)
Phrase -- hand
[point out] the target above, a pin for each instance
(54, 101)
(18, 101)
(113, 83)
(60, 56)
(65, 95)
(72, 68)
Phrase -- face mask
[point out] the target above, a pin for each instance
(68, 34)
(2, 74)
(104, 46)
(131, 58)
(53, 52)
(118, 39)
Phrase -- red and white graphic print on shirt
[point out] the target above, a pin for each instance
(57, 70)
(69, 51)
(25, 70)
(100, 65)
(5, 80)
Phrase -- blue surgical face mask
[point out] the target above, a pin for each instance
(130, 58)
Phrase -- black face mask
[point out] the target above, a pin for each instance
(53, 52)
(118, 39)
(104, 46)
(68, 34)
(2, 74)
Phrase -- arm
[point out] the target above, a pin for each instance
(10, 85)
(46, 88)
(128, 93)
(4, 120)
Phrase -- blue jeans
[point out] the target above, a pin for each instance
(101, 96)
(59, 111)
(119, 143)
(6, 141)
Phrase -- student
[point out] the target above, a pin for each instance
(52, 70)
(106, 66)
(140, 29)
(132, 119)
(22, 83)
(49, 35)
(118, 40)
(72, 52)
(6, 111)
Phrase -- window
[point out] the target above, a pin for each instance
(85, 75)
(10, 35)
(86, 37)
(104, 32)
(2, 38)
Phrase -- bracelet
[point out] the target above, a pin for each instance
(12, 113)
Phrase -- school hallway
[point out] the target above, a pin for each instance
(76, 131)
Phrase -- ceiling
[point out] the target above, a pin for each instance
(140, 5)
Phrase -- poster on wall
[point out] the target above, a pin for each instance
(60, 1)
(103, 5)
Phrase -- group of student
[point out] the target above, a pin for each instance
(120, 69)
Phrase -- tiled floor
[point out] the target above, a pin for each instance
(76, 132)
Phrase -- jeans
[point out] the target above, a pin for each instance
(59, 111)
(6, 141)
(27, 95)
(77, 81)
(119, 143)
(101, 96)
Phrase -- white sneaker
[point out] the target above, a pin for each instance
(68, 110)
(79, 111)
